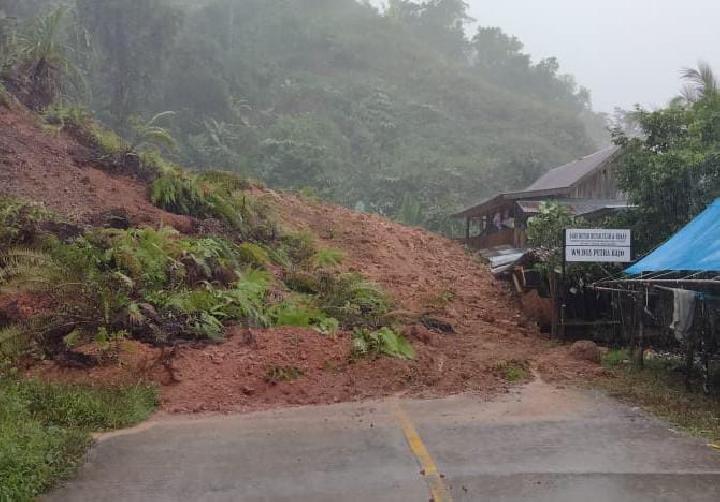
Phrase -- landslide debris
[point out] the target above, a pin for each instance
(257, 285)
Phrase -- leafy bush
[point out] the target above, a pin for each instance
(209, 256)
(328, 258)
(213, 196)
(513, 371)
(353, 300)
(45, 429)
(13, 342)
(20, 221)
(302, 282)
(385, 341)
(204, 310)
(145, 254)
(180, 194)
(228, 181)
(298, 246)
(253, 255)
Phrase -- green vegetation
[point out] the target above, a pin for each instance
(20, 221)
(353, 300)
(328, 258)
(156, 285)
(277, 374)
(384, 342)
(513, 371)
(397, 111)
(45, 429)
(660, 388)
(671, 169)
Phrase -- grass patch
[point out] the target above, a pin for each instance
(660, 388)
(513, 371)
(45, 429)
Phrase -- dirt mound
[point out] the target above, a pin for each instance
(41, 164)
(466, 328)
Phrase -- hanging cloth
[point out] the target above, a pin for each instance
(683, 312)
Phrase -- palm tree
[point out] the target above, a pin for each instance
(700, 83)
(44, 59)
(150, 134)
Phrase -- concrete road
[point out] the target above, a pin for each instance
(536, 444)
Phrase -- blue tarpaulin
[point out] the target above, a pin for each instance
(695, 248)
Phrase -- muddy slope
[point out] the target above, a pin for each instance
(40, 164)
(466, 328)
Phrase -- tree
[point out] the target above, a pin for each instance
(701, 82)
(441, 22)
(672, 170)
(493, 49)
(150, 133)
(133, 39)
(43, 59)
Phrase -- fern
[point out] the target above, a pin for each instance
(150, 134)
(382, 342)
(145, 253)
(328, 258)
(253, 255)
(13, 342)
(27, 269)
(353, 300)
(294, 315)
(228, 181)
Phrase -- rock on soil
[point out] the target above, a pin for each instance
(586, 351)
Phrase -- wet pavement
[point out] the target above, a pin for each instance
(539, 443)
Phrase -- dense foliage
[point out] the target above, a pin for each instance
(671, 169)
(397, 112)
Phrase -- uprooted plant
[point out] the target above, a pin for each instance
(383, 342)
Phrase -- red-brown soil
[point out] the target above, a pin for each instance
(426, 274)
(40, 164)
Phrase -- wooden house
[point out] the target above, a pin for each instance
(587, 187)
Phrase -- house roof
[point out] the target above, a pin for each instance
(571, 174)
(556, 182)
(695, 248)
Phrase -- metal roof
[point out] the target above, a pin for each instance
(571, 174)
(556, 182)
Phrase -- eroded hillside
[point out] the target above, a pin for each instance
(465, 328)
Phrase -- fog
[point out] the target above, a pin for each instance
(625, 51)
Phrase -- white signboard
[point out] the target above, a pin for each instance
(597, 245)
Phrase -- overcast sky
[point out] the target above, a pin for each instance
(624, 51)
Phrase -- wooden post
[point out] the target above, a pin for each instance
(641, 330)
(555, 304)
(467, 228)
(563, 286)
(689, 358)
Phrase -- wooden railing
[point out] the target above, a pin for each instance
(507, 237)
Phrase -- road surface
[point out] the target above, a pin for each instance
(538, 443)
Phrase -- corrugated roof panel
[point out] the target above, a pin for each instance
(569, 174)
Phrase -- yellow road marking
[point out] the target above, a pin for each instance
(437, 487)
